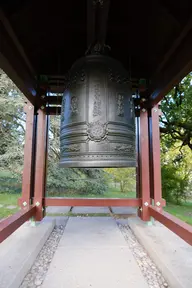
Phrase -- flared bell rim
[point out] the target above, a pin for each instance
(98, 164)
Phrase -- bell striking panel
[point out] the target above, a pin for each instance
(97, 115)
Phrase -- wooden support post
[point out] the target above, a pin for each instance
(28, 154)
(156, 158)
(144, 165)
(138, 192)
(40, 165)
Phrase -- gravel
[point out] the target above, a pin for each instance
(37, 273)
(149, 270)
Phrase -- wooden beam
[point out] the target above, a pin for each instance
(175, 45)
(53, 110)
(10, 224)
(155, 157)
(40, 166)
(177, 65)
(53, 100)
(138, 189)
(177, 226)
(104, 202)
(28, 151)
(144, 165)
(15, 63)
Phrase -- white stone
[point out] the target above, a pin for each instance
(171, 254)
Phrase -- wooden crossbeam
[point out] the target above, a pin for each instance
(103, 202)
(177, 226)
(10, 224)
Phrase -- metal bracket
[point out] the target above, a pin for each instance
(25, 204)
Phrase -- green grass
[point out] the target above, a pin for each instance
(4, 212)
(110, 193)
(183, 212)
(8, 199)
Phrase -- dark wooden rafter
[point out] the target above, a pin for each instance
(15, 63)
(177, 63)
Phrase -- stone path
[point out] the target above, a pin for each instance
(58, 209)
(93, 253)
(90, 210)
(124, 210)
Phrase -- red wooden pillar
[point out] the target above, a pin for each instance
(28, 154)
(138, 192)
(40, 165)
(156, 157)
(144, 165)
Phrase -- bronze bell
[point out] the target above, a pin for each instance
(97, 115)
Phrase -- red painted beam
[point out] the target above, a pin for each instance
(26, 182)
(177, 226)
(10, 224)
(156, 157)
(40, 165)
(144, 165)
(104, 202)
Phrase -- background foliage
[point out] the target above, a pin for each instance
(176, 148)
(176, 142)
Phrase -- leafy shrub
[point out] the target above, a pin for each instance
(174, 185)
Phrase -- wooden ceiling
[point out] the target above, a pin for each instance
(146, 36)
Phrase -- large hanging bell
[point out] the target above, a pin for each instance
(97, 115)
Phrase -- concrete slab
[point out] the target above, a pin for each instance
(96, 256)
(124, 210)
(90, 210)
(59, 220)
(19, 251)
(172, 255)
(92, 232)
(58, 209)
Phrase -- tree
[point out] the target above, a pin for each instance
(12, 125)
(176, 172)
(12, 135)
(70, 180)
(124, 176)
(176, 121)
(176, 141)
